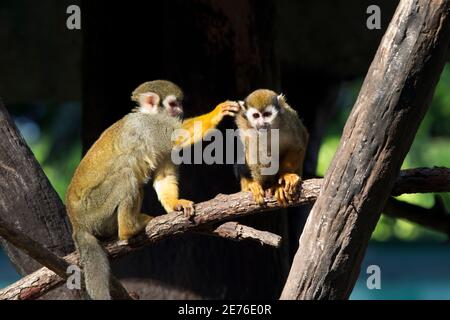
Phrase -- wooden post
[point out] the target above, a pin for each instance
(378, 134)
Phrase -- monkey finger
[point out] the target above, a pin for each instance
(287, 186)
(289, 196)
(295, 187)
(258, 194)
(230, 114)
(292, 188)
(232, 106)
(285, 195)
(230, 111)
(189, 212)
(280, 197)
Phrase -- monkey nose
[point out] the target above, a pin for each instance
(175, 112)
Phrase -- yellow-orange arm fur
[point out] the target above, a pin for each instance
(200, 126)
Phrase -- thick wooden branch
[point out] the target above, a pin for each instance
(219, 210)
(427, 179)
(29, 203)
(378, 134)
(48, 259)
(435, 218)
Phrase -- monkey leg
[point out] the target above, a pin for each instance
(131, 221)
(248, 185)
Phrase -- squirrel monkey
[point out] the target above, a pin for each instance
(265, 110)
(105, 196)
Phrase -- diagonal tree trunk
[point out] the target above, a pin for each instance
(377, 137)
(28, 201)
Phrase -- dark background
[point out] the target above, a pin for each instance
(65, 87)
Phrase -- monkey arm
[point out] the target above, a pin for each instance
(166, 187)
(198, 127)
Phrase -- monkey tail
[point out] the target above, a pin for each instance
(95, 264)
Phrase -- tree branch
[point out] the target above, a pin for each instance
(48, 259)
(435, 218)
(238, 232)
(219, 210)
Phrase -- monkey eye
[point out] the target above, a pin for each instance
(256, 115)
(173, 104)
(267, 114)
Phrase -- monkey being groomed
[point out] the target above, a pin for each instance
(105, 196)
(264, 111)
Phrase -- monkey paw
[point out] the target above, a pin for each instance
(290, 182)
(258, 192)
(286, 188)
(227, 108)
(280, 195)
(186, 206)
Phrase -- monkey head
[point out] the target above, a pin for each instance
(261, 109)
(159, 96)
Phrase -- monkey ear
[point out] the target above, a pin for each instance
(281, 102)
(242, 105)
(149, 102)
(281, 99)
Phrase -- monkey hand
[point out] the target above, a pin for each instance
(186, 206)
(257, 191)
(227, 108)
(280, 194)
(290, 183)
(286, 188)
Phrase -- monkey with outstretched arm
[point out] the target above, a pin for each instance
(105, 196)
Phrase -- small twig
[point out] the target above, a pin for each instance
(238, 232)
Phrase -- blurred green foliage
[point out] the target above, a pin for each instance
(53, 134)
(58, 172)
(431, 148)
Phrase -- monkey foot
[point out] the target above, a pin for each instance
(186, 206)
(282, 197)
(290, 182)
(286, 189)
(258, 192)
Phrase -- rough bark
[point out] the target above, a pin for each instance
(209, 213)
(378, 134)
(28, 201)
(238, 232)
